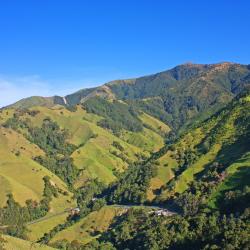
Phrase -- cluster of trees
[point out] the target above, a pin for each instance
(118, 145)
(116, 115)
(185, 158)
(140, 230)
(235, 200)
(61, 165)
(14, 216)
(88, 200)
(132, 185)
(154, 107)
(89, 192)
(51, 138)
(53, 141)
(15, 123)
(76, 245)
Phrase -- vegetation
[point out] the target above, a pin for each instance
(14, 217)
(131, 187)
(88, 228)
(184, 94)
(87, 203)
(139, 230)
(2, 241)
(16, 243)
(53, 141)
(50, 138)
(116, 115)
(202, 173)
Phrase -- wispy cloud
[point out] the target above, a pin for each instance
(13, 89)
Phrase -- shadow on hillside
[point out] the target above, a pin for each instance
(240, 178)
(229, 154)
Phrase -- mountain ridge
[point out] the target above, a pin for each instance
(177, 96)
(85, 91)
(178, 138)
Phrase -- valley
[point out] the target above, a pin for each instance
(138, 158)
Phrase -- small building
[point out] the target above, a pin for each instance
(74, 211)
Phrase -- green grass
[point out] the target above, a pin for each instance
(85, 229)
(157, 125)
(57, 205)
(164, 174)
(19, 174)
(147, 140)
(228, 133)
(238, 175)
(23, 177)
(188, 175)
(13, 243)
(95, 152)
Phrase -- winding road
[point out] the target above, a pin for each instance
(153, 208)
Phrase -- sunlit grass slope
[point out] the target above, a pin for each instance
(23, 177)
(223, 138)
(96, 154)
(13, 243)
(89, 227)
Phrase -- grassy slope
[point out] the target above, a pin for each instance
(154, 123)
(20, 174)
(23, 177)
(226, 133)
(168, 162)
(227, 149)
(57, 205)
(95, 143)
(13, 243)
(84, 230)
(238, 176)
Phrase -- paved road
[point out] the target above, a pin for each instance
(45, 218)
(113, 205)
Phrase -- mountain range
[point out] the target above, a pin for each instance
(177, 140)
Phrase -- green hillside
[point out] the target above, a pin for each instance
(178, 97)
(95, 153)
(35, 141)
(203, 176)
(218, 147)
(89, 227)
(73, 168)
(222, 140)
(19, 244)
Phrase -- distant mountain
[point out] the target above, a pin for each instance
(176, 96)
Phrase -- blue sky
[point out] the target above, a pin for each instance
(57, 47)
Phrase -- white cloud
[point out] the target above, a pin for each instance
(13, 89)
